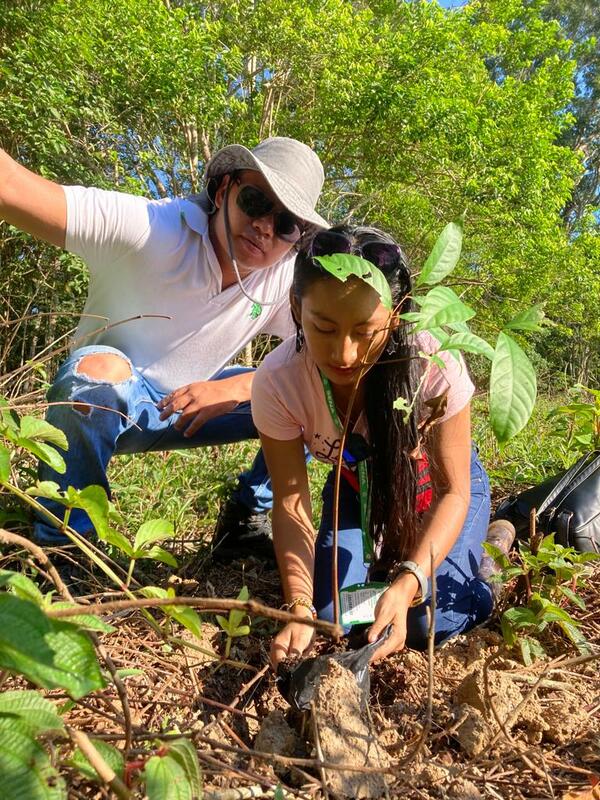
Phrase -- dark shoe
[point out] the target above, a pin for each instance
(500, 534)
(240, 533)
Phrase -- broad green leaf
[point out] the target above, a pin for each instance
(512, 389)
(497, 554)
(112, 756)
(166, 779)
(444, 256)
(48, 489)
(116, 539)
(155, 530)
(42, 431)
(244, 594)
(469, 343)
(182, 614)
(25, 769)
(528, 320)
(158, 554)
(50, 653)
(520, 617)
(441, 306)
(45, 453)
(184, 753)
(87, 621)
(572, 596)
(4, 464)
(94, 501)
(29, 706)
(22, 586)
(342, 266)
(224, 623)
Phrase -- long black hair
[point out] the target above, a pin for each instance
(394, 443)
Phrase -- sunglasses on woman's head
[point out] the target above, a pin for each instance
(385, 255)
(255, 204)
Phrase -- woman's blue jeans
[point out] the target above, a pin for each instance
(462, 599)
(123, 418)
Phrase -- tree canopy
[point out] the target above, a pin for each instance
(420, 115)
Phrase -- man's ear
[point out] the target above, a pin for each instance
(220, 193)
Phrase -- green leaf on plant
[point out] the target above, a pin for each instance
(528, 320)
(155, 530)
(87, 621)
(22, 586)
(444, 256)
(513, 389)
(50, 653)
(167, 779)
(343, 266)
(112, 756)
(118, 540)
(182, 614)
(4, 464)
(441, 306)
(184, 753)
(26, 771)
(40, 430)
(469, 343)
(45, 453)
(35, 710)
(158, 554)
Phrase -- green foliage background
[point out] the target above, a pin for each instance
(419, 115)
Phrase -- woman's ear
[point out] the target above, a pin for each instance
(296, 309)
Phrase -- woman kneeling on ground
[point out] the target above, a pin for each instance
(406, 485)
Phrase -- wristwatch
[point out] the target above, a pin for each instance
(414, 569)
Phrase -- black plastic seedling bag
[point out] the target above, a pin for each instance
(299, 684)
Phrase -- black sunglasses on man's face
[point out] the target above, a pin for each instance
(255, 204)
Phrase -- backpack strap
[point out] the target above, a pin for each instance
(563, 521)
(569, 475)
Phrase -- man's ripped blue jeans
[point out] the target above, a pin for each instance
(102, 419)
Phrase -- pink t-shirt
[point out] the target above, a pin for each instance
(288, 399)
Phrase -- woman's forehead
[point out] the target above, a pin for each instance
(352, 300)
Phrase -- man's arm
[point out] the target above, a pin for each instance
(32, 203)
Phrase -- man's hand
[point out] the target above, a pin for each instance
(393, 607)
(199, 402)
(293, 640)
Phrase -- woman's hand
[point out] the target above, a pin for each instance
(393, 607)
(293, 640)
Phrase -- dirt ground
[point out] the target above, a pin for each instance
(495, 728)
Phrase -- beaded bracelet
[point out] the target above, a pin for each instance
(300, 601)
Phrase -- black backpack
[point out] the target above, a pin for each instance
(567, 505)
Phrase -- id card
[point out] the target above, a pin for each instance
(357, 602)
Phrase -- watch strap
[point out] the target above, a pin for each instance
(415, 569)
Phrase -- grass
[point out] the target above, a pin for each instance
(537, 452)
(187, 486)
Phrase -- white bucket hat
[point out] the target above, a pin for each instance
(292, 170)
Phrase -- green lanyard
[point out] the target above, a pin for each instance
(363, 478)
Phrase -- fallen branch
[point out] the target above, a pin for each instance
(205, 603)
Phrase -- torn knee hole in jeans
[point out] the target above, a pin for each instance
(104, 368)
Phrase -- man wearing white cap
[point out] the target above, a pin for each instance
(180, 286)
